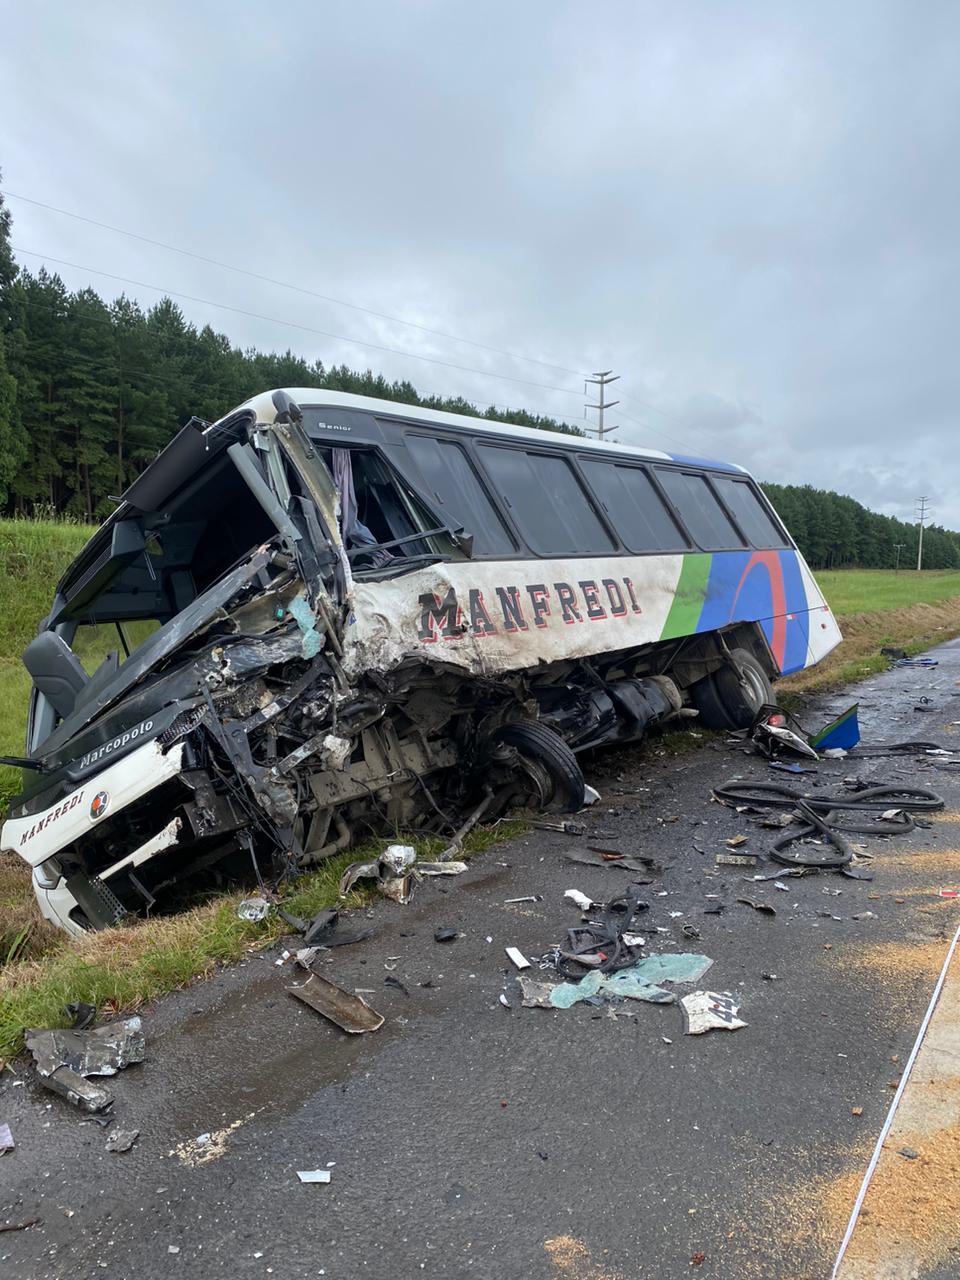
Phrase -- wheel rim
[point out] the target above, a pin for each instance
(753, 686)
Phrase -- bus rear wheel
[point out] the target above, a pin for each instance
(731, 696)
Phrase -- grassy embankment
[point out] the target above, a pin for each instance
(120, 968)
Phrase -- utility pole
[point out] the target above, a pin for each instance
(601, 380)
(898, 547)
(922, 514)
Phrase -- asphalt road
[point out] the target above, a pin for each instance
(468, 1139)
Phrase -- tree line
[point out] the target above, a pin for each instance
(90, 391)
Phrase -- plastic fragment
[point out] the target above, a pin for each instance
(709, 1011)
(444, 935)
(6, 1139)
(517, 957)
(313, 1175)
(581, 899)
(253, 909)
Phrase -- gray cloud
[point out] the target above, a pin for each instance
(747, 210)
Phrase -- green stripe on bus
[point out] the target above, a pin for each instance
(689, 597)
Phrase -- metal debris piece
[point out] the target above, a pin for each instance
(80, 1013)
(20, 1226)
(530, 897)
(764, 907)
(439, 868)
(517, 958)
(63, 1057)
(313, 1175)
(504, 1001)
(735, 841)
(82, 1093)
(624, 862)
(391, 981)
(590, 795)
(349, 1012)
(909, 1153)
(709, 1011)
(736, 860)
(6, 1139)
(121, 1140)
(391, 871)
(253, 909)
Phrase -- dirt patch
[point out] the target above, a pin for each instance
(892, 962)
(574, 1261)
(912, 1207)
(23, 931)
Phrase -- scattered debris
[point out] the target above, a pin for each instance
(865, 915)
(445, 935)
(391, 870)
(581, 899)
(607, 858)
(637, 982)
(530, 897)
(253, 909)
(736, 860)
(842, 734)
(207, 1147)
(349, 1012)
(505, 1002)
(6, 1139)
(121, 1140)
(80, 1013)
(391, 981)
(64, 1057)
(517, 958)
(324, 930)
(763, 907)
(949, 893)
(734, 841)
(313, 1175)
(856, 1111)
(708, 1011)
(439, 868)
(20, 1226)
(909, 1153)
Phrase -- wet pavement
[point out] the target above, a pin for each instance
(469, 1139)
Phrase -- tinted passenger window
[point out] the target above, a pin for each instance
(633, 504)
(749, 512)
(699, 510)
(547, 501)
(459, 494)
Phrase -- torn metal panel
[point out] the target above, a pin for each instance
(349, 1012)
(97, 1051)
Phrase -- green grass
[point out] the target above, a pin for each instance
(33, 556)
(877, 590)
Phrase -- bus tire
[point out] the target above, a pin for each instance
(731, 696)
(551, 753)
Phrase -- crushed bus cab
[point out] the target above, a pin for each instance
(324, 616)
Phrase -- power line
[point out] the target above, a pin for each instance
(284, 284)
(292, 324)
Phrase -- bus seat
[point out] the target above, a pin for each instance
(56, 670)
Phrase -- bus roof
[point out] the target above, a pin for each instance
(314, 398)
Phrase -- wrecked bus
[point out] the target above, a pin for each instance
(324, 616)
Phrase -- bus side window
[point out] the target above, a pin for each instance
(457, 491)
(634, 506)
(749, 513)
(546, 500)
(699, 510)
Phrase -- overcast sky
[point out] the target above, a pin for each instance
(749, 211)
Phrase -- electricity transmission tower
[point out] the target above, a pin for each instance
(601, 380)
(922, 514)
(898, 547)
